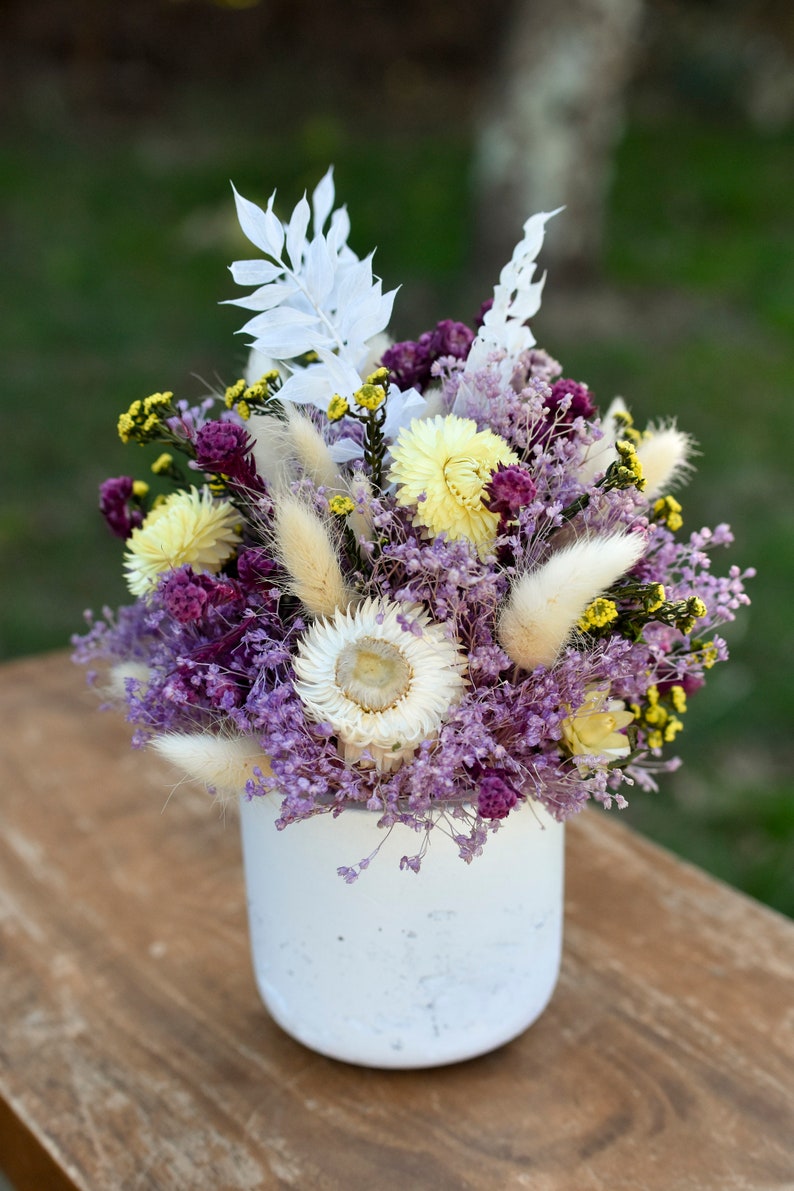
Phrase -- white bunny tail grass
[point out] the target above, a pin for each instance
(601, 453)
(272, 449)
(665, 457)
(224, 763)
(311, 450)
(360, 520)
(119, 676)
(307, 552)
(545, 604)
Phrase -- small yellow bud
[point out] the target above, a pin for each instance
(341, 505)
(337, 408)
(370, 396)
(162, 464)
(598, 614)
(140, 488)
(234, 393)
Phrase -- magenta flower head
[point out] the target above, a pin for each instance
(495, 797)
(220, 446)
(224, 448)
(510, 488)
(114, 497)
(255, 567)
(409, 363)
(451, 339)
(581, 398)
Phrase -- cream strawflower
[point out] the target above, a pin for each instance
(188, 527)
(441, 466)
(382, 689)
(595, 728)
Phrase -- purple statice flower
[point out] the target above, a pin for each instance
(510, 488)
(496, 797)
(451, 339)
(410, 363)
(580, 404)
(225, 448)
(255, 567)
(186, 595)
(115, 495)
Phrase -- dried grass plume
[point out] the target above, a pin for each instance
(307, 552)
(225, 763)
(545, 604)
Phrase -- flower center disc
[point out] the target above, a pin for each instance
(372, 673)
(465, 478)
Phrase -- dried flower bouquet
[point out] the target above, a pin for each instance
(427, 578)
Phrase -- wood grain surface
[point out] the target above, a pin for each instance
(135, 1053)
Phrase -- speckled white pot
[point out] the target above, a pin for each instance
(401, 969)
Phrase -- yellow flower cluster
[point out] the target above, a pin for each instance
(337, 408)
(625, 424)
(370, 397)
(341, 505)
(142, 421)
(668, 511)
(598, 614)
(655, 598)
(163, 464)
(244, 398)
(658, 718)
(628, 473)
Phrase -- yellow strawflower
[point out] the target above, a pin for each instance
(441, 466)
(187, 527)
(594, 729)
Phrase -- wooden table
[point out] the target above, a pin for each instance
(134, 1051)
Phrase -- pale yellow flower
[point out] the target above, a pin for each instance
(441, 467)
(187, 527)
(595, 728)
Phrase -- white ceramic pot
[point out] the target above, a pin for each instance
(402, 969)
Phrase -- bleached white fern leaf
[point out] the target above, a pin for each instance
(516, 298)
(313, 295)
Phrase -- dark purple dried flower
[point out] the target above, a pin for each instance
(184, 595)
(409, 363)
(451, 339)
(222, 447)
(581, 398)
(496, 797)
(510, 489)
(254, 567)
(114, 497)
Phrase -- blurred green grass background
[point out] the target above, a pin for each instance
(119, 233)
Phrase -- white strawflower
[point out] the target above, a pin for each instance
(382, 689)
(187, 527)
